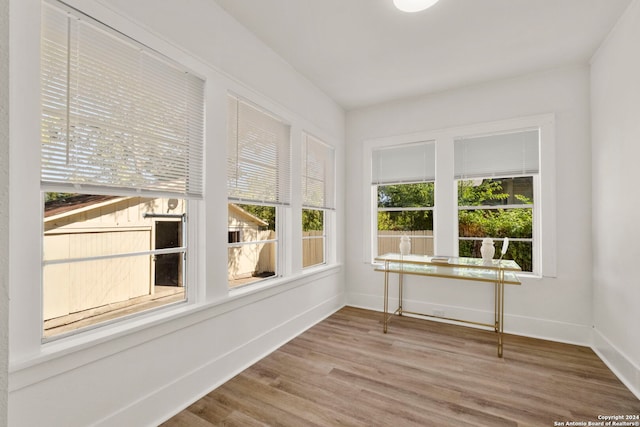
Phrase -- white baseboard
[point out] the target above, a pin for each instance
(203, 379)
(551, 330)
(618, 362)
(513, 324)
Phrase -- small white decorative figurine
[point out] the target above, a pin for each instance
(487, 249)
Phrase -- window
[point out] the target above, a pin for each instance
(406, 210)
(121, 161)
(318, 198)
(259, 188)
(403, 180)
(492, 180)
(496, 176)
(234, 236)
(497, 208)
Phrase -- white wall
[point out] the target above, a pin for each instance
(4, 211)
(557, 308)
(141, 372)
(615, 104)
(214, 37)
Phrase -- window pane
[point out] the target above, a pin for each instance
(250, 263)
(101, 258)
(421, 242)
(252, 222)
(495, 192)
(406, 195)
(313, 237)
(496, 223)
(252, 243)
(486, 219)
(418, 225)
(514, 223)
(397, 218)
(519, 251)
(405, 221)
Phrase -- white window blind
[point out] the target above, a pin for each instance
(509, 154)
(404, 163)
(115, 114)
(259, 155)
(318, 174)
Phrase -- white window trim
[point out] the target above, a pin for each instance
(446, 206)
(193, 266)
(31, 361)
(27, 346)
(330, 241)
(283, 208)
(329, 210)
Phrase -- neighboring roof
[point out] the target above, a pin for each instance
(72, 204)
(78, 201)
(247, 215)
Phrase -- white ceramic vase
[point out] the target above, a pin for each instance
(405, 245)
(487, 249)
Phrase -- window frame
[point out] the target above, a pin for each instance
(324, 203)
(186, 266)
(276, 240)
(281, 200)
(431, 209)
(446, 212)
(191, 265)
(534, 236)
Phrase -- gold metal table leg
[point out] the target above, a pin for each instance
(500, 309)
(400, 287)
(386, 298)
(498, 289)
(496, 304)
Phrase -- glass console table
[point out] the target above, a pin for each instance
(496, 272)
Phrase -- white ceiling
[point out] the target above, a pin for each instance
(363, 52)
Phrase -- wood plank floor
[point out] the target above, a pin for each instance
(345, 371)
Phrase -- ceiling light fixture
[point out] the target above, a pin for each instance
(414, 5)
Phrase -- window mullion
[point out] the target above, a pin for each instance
(446, 212)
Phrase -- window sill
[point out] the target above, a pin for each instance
(71, 352)
(530, 276)
(280, 284)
